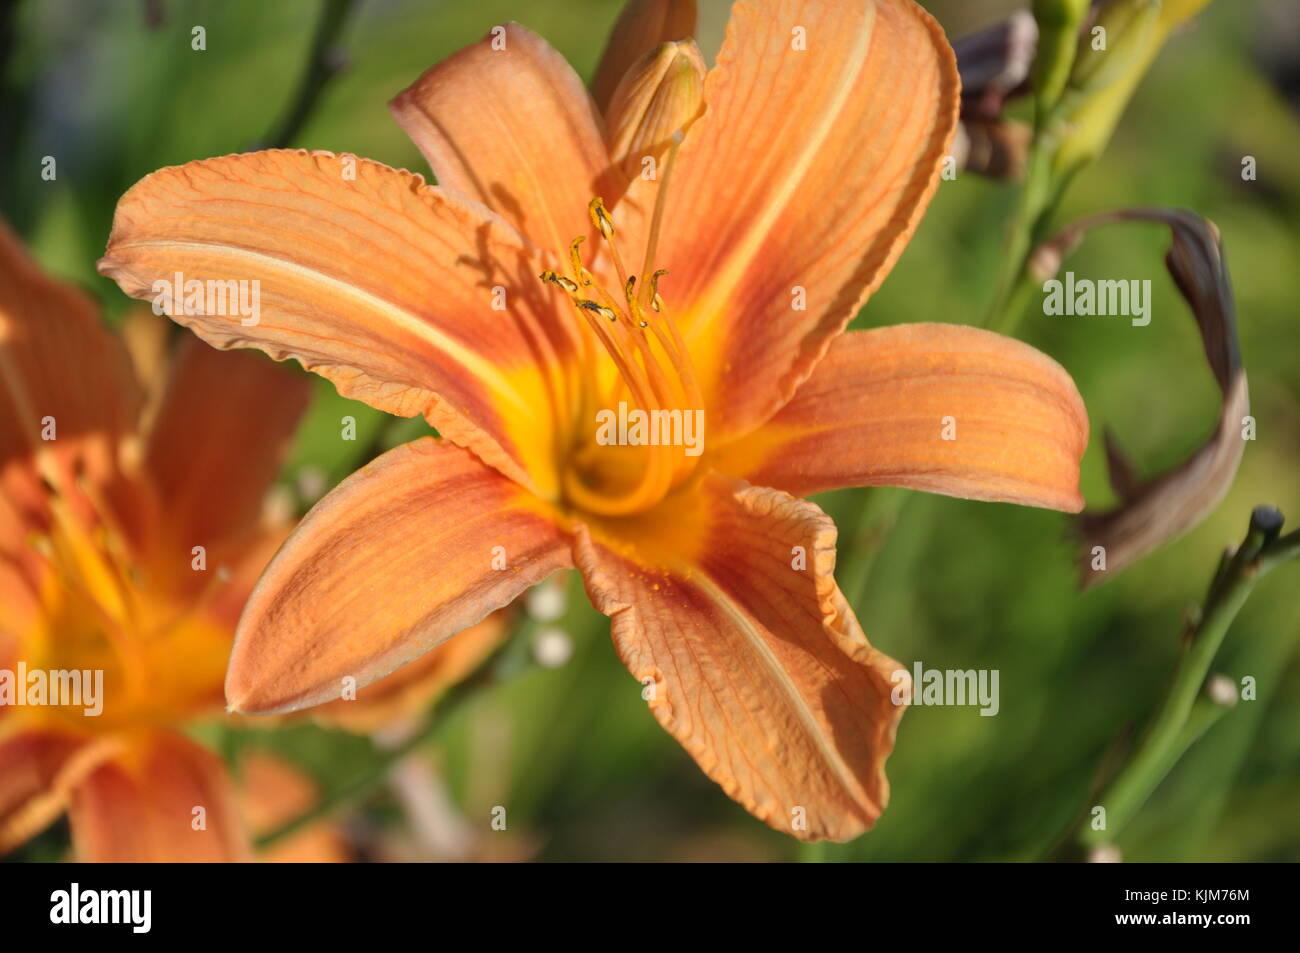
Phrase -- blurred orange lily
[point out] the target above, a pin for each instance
(132, 529)
(127, 547)
(776, 202)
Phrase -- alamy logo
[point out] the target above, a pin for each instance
(1085, 297)
(217, 297)
(655, 428)
(60, 688)
(937, 687)
(74, 905)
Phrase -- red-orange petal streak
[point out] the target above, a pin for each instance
(407, 297)
(826, 125)
(723, 604)
(408, 551)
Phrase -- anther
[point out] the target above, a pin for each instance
(596, 308)
(600, 218)
(656, 302)
(565, 283)
(575, 259)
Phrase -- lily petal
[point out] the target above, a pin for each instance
(163, 799)
(642, 26)
(412, 688)
(370, 278)
(875, 413)
(60, 432)
(273, 792)
(48, 415)
(39, 768)
(723, 605)
(222, 429)
(508, 123)
(241, 564)
(795, 193)
(21, 569)
(395, 560)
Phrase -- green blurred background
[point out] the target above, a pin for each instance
(583, 769)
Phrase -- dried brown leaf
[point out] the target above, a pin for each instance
(1152, 512)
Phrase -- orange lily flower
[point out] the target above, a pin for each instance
(107, 487)
(127, 548)
(776, 203)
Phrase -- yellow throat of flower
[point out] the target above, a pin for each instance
(155, 659)
(654, 375)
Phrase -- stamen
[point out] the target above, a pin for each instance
(580, 274)
(656, 302)
(90, 571)
(606, 227)
(657, 372)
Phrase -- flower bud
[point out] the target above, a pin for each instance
(1103, 80)
(641, 25)
(1058, 37)
(663, 93)
(1120, 41)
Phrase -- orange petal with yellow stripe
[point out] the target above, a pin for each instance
(403, 295)
(411, 549)
(937, 407)
(723, 605)
(826, 126)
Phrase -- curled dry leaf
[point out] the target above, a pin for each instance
(994, 65)
(1154, 511)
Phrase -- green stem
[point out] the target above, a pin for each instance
(1025, 222)
(876, 518)
(814, 852)
(323, 62)
(1043, 191)
(1182, 718)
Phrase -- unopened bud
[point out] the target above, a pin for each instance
(1058, 36)
(1113, 57)
(641, 25)
(662, 94)
(1121, 40)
